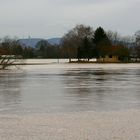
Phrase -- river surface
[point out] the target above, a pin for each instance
(68, 87)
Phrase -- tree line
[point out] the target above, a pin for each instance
(81, 42)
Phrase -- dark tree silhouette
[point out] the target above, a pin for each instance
(74, 39)
(101, 41)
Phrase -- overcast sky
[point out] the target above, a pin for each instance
(53, 18)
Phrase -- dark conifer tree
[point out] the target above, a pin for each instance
(101, 41)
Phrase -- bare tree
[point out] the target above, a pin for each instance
(137, 37)
(8, 52)
(136, 49)
(6, 61)
(74, 38)
(113, 36)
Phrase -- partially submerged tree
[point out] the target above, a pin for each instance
(5, 59)
(10, 51)
(86, 50)
(74, 39)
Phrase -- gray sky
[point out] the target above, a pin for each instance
(53, 18)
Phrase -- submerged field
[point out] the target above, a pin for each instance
(68, 87)
(70, 101)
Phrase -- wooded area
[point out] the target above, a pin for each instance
(81, 42)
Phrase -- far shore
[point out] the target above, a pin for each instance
(77, 62)
(102, 62)
(43, 62)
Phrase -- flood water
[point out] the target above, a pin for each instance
(70, 87)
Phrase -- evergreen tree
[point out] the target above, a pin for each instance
(101, 42)
(100, 36)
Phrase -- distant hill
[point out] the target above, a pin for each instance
(54, 41)
(31, 42)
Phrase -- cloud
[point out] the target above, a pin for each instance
(47, 18)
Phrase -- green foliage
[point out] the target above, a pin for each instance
(100, 36)
(102, 43)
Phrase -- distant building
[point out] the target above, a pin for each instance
(108, 59)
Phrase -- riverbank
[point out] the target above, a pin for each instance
(102, 62)
(61, 61)
(115, 125)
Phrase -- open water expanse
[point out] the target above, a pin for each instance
(68, 87)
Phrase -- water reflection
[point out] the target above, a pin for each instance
(103, 89)
(10, 93)
(69, 89)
